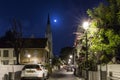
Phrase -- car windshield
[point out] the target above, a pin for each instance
(31, 66)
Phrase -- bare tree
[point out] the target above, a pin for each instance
(17, 41)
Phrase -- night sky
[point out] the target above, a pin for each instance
(33, 16)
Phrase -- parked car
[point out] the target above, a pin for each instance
(34, 71)
(69, 69)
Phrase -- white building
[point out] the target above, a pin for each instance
(7, 56)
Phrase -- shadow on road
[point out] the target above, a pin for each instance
(58, 75)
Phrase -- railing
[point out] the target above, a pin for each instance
(95, 75)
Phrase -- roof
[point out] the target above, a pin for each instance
(34, 42)
(5, 44)
(27, 43)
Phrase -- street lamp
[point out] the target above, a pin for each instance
(69, 61)
(71, 56)
(86, 26)
(29, 57)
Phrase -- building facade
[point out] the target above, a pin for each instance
(7, 56)
(34, 50)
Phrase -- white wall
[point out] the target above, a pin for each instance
(5, 69)
(113, 70)
(102, 68)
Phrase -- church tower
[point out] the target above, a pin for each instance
(48, 35)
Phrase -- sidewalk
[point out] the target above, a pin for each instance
(80, 78)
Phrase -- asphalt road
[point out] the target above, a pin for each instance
(57, 75)
(63, 75)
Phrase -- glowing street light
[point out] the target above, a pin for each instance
(71, 56)
(86, 26)
(29, 56)
(69, 61)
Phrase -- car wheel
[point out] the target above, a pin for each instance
(47, 76)
(21, 79)
(43, 78)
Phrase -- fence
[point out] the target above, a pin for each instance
(100, 74)
(107, 72)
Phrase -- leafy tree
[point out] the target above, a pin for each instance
(106, 40)
(56, 61)
(65, 52)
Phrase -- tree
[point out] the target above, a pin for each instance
(56, 61)
(65, 52)
(13, 37)
(106, 40)
(17, 42)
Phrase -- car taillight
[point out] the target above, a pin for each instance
(38, 68)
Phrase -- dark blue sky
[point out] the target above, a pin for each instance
(33, 16)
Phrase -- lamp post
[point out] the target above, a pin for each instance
(85, 26)
(50, 65)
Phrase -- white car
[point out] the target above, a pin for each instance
(34, 71)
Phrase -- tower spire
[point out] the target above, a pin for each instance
(48, 22)
(48, 35)
(48, 30)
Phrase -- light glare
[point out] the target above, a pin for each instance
(55, 20)
(29, 55)
(85, 25)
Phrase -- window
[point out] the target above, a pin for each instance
(35, 52)
(14, 54)
(14, 62)
(5, 62)
(26, 53)
(5, 53)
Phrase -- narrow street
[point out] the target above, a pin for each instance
(62, 75)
